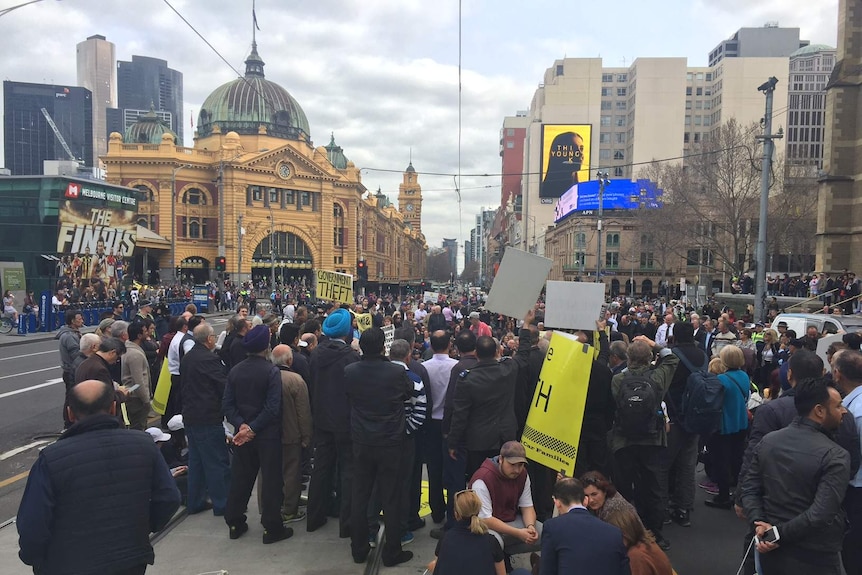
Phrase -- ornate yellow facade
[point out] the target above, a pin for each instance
(253, 175)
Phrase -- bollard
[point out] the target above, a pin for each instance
(22, 325)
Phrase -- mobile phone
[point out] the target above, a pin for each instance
(133, 388)
(770, 535)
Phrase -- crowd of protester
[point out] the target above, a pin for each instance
(292, 394)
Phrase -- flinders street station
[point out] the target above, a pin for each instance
(255, 191)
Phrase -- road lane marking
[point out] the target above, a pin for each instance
(29, 355)
(23, 448)
(13, 479)
(32, 387)
(29, 372)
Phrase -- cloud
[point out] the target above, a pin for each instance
(383, 75)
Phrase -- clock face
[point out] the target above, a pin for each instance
(284, 171)
(409, 207)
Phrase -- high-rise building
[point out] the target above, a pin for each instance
(451, 247)
(29, 138)
(146, 83)
(97, 72)
(810, 68)
(766, 42)
(628, 117)
(512, 136)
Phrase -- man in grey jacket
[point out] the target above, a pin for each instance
(136, 372)
(70, 344)
(796, 482)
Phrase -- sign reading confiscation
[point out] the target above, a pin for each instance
(334, 286)
(556, 415)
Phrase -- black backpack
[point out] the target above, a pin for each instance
(702, 400)
(639, 414)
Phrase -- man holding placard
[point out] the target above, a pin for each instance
(483, 416)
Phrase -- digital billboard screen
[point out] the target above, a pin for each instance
(97, 234)
(565, 157)
(618, 195)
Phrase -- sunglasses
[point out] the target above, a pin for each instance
(463, 491)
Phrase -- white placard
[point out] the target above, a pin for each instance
(389, 332)
(518, 283)
(431, 296)
(573, 305)
(823, 344)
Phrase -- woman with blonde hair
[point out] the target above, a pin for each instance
(645, 557)
(727, 446)
(468, 547)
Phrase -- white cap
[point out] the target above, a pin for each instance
(158, 435)
(302, 343)
(176, 422)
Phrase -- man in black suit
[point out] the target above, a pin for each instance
(705, 335)
(577, 541)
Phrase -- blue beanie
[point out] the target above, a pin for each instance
(337, 324)
(257, 339)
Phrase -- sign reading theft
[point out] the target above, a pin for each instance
(334, 286)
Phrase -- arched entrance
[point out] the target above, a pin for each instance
(195, 270)
(631, 288)
(615, 287)
(288, 254)
(646, 288)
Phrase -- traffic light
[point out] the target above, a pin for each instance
(221, 264)
(362, 270)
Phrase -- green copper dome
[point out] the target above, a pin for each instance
(246, 104)
(148, 129)
(336, 154)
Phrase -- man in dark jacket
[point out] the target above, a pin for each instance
(98, 365)
(203, 381)
(598, 419)
(252, 404)
(330, 411)
(483, 416)
(796, 482)
(454, 468)
(68, 520)
(680, 458)
(377, 390)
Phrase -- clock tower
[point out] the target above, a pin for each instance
(410, 198)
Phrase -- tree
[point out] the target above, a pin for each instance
(720, 187)
(471, 273)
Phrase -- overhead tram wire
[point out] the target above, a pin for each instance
(458, 179)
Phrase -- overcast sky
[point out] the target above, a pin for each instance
(383, 74)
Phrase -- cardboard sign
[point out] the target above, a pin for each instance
(823, 344)
(363, 321)
(518, 283)
(431, 296)
(389, 332)
(334, 286)
(573, 305)
(553, 428)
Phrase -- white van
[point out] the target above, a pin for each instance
(827, 324)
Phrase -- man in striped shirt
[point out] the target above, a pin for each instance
(415, 411)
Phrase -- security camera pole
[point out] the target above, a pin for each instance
(767, 88)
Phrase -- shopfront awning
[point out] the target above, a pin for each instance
(151, 240)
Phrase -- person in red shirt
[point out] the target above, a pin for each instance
(479, 327)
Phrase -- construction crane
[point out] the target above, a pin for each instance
(59, 135)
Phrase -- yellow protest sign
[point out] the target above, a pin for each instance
(553, 427)
(334, 286)
(363, 321)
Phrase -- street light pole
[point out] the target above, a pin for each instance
(174, 171)
(603, 181)
(768, 88)
(272, 245)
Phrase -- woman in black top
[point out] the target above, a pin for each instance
(467, 548)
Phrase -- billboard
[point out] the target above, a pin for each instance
(618, 195)
(565, 157)
(96, 236)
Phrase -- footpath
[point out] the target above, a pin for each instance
(198, 544)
